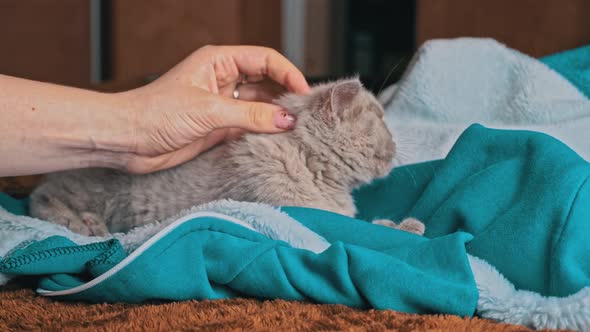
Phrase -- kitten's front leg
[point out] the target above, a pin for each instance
(95, 224)
(411, 225)
(52, 209)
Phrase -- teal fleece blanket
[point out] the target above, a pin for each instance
(366, 266)
(573, 65)
(523, 195)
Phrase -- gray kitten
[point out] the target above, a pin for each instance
(339, 143)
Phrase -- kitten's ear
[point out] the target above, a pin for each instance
(342, 95)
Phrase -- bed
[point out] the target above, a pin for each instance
(493, 201)
(25, 308)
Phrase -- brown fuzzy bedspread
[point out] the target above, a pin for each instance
(22, 310)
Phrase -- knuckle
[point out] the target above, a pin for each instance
(270, 50)
(207, 47)
(274, 52)
(255, 115)
(137, 168)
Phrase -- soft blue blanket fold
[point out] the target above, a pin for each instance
(453, 83)
(524, 196)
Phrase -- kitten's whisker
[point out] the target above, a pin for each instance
(389, 74)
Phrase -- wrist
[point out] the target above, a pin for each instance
(95, 130)
(114, 139)
(63, 127)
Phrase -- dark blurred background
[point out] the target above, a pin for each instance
(114, 45)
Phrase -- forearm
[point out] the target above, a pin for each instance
(46, 127)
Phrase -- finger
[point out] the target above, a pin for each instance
(146, 164)
(260, 92)
(234, 134)
(256, 60)
(264, 91)
(253, 78)
(252, 116)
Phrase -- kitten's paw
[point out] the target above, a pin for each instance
(385, 222)
(75, 225)
(412, 225)
(94, 224)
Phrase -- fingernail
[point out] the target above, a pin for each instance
(284, 120)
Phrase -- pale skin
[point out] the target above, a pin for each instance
(46, 127)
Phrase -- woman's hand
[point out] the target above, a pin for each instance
(47, 127)
(191, 108)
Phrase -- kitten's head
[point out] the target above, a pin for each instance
(343, 124)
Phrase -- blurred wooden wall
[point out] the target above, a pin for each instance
(151, 36)
(535, 27)
(50, 40)
(46, 40)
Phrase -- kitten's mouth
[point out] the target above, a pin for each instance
(387, 158)
(385, 171)
(386, 164)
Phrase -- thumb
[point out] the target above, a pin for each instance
(254, 116)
